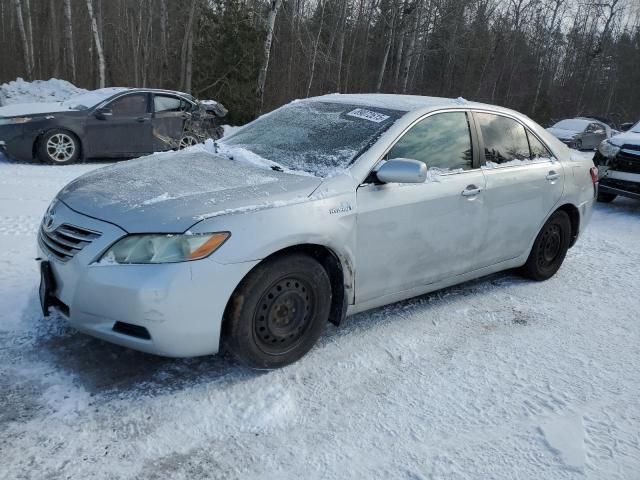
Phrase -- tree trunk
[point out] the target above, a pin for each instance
(315, 48)
(23, 37)
(68, 36)
(184, 52)
(341, 28)
(266, 52)
(389, 28)
(406, 62)
(98, 43)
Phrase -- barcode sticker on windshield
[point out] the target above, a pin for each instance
(368, 115)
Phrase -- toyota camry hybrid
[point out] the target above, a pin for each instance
(320, 209)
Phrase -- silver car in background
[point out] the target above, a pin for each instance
(323, 208)
(581, 133)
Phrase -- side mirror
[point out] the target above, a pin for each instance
(102, 113)
(402, 170)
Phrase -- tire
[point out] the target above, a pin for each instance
(578, 145)
(278, 312)
(604, 197)
(549, 248)
(59, 147)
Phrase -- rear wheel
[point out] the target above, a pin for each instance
(59, 147)
(604, 197)
(578, 145)
(278, 312)
(187, 141)
(549, 248)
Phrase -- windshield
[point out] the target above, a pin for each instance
(635, 128)
(573, 125)
(91, 98)
(316, 137)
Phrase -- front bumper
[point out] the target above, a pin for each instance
(181, 305)
(16, 143)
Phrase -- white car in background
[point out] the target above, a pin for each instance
(323, 208)
(581, 133)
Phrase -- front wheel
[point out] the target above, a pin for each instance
(59, 147)
(549, 248)
(278, 312)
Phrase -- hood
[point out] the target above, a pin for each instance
(562, 133)
(626, 138)
(22, 109)
(170, 192)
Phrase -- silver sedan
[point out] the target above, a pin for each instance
(321, 209)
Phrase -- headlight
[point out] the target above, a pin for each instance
(163, 248)
(608, 149)
(11, 121)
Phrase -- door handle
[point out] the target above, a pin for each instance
(552, 175)
(471, 191)
(142, 119)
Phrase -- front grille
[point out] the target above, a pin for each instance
(66, 241)
(627, 160)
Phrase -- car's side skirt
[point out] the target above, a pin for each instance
(448, 282)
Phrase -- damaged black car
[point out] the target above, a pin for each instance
(108, 123)
(618, 162)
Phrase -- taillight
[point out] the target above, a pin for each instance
(594, 174)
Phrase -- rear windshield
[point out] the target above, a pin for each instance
(316, 137)
(573, 125)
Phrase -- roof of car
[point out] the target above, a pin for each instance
(405, 103)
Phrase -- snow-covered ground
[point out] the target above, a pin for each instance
(497, 378)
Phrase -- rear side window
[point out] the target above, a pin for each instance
(442, 141)
(504, 139)
(538, 150)
(129, 105)
(163, 103)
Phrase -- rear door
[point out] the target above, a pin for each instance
(171, 114)
(123, 128)
(410, 235)
(523, 185)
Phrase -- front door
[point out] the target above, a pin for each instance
(122, 129)
(410, 235)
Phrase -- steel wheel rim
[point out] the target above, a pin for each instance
(187, 141)
(283, 315)
(550, 245)
(60, 147)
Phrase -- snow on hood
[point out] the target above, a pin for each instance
(20, 109)
(169, 192)
(624, 138)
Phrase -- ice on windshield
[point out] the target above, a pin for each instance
(317, 137)
(573, 125)
(91, 99)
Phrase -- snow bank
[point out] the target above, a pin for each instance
(52, 90)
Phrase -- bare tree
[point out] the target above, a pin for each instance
(28, 60)
(266, 51)
(98, 44)
(68, 36)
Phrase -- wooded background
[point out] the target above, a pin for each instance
(547, 58)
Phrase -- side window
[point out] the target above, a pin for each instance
(504, 139)
(129, 105)
(162, 103)
(538, 150)
(441, 141)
